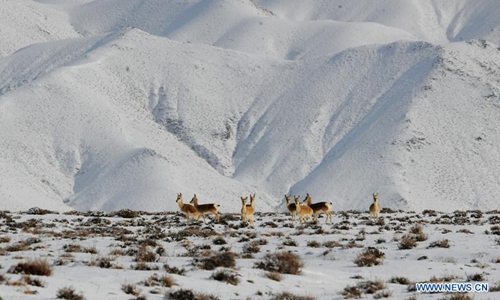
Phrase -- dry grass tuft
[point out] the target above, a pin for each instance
(400, 280)
(69, 293)
(33, 281)
(440, 244)
(351, 292)
(274, 276)
(281, 262)
(224, 259)
(156, 280)
(407, 242)
(145, 255)
(131, 289)
(226, 275)
(313, 244)
(370, 257)
(38, 267)
(174, 270)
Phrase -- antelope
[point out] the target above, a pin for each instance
(375, 206)
(319, 207)
(243, 209)
(247, 211)
(206, 209)
(303, 210)
(187, 209)
(292, 208)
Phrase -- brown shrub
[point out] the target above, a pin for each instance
(281, 262)
(400, 280)
(125, 213)
(407, 242)
(251, 247)
(226, 275)
(351, 292)
(102, 262)
(213, 260)
(332, 244)
(156, 280)
(68, 293)
(371, 286)
(33, 281)
(370, 257)
(441, 244)
(38, 267)
(274, 276)
(131, 289)
(313, 244)
(145, 255)
(174, 270)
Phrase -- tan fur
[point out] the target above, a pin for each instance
(375, 207)
(319, 207)
(292, 208)
(247, 211)
(304, 211)
(206, 209)
(187, 209)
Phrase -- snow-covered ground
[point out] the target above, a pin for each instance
(118, 104)
(101, 254)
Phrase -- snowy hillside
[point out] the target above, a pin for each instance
(126, 103)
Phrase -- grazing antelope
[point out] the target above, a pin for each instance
(303, 210)
(319, 207)
(248, 210)
(292, 208)
(206, 209)
(375, 207)
(187, 209)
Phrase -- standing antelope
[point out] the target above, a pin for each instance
(375, 206)
(206, 209)
(292, 208)
(247, 211)
(187, 209)
(319, 207)
(303, 210)
(243, 209)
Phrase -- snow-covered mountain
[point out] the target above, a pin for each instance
(111, 104)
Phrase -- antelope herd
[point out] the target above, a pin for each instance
(304, 210)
